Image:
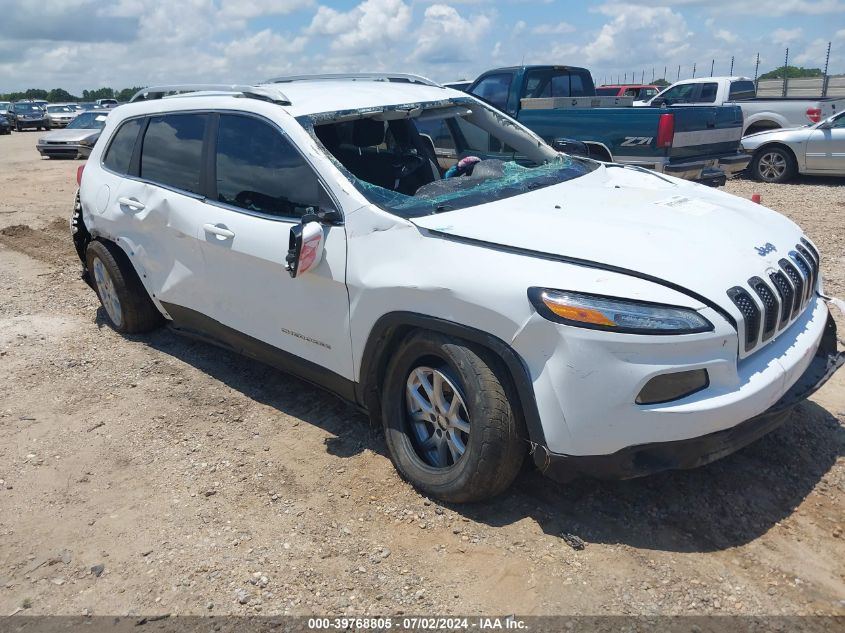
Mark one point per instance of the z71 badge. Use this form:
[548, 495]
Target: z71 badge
[635, 141]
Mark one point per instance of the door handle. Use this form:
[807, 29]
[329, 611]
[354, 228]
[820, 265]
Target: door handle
[215, 229]
[132, 203]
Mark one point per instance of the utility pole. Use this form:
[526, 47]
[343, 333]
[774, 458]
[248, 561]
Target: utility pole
[679, 73]
[693, 71]
[824, 77]
[785, 64]
[712, 64]
[756, 68]
[732, 66]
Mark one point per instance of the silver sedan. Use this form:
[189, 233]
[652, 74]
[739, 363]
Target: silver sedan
[778, 155]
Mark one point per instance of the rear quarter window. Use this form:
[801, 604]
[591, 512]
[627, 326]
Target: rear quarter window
[171, 154]
[742, 90]
[119, 153]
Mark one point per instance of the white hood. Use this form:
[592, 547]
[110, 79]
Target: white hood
[693, 236]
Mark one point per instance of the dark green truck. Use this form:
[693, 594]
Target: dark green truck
[560, 104]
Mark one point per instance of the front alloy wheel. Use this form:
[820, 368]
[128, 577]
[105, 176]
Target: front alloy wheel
[449, 423]
[774, 164]
[439, 422]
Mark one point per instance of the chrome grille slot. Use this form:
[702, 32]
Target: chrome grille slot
[812, 250]
[814, 266]
[797, 283]
[787, 296]
[750, 314]
[806, 272]
[771, 306]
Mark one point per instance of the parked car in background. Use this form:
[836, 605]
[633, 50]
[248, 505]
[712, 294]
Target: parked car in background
[90, 105]
[759, 113]
[5, 126]
[559, 103]
[28, 114]
[60, 115]
[579, 327]
[779, 155]
[637, 91]
[77, 139]
[107, 103]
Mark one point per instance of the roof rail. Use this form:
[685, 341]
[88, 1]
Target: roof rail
[264, 93]
[391, 77]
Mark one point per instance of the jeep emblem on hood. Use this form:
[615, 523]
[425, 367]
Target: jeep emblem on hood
[765, 249]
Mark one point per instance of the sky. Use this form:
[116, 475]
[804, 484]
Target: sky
[77, 44]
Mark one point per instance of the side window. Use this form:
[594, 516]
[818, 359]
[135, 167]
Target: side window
[122, 145]
[495, 89]
[708, 92]
[555, 83]
[679, 94]
[172, 151]
[259, 170]
[742, 90]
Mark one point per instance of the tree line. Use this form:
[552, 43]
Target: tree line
[60, 95]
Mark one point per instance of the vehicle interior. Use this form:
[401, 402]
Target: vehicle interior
[413, 151]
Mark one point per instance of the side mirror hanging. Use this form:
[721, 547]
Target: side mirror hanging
[305, 246]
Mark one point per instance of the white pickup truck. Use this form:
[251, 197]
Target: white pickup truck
[759, 114]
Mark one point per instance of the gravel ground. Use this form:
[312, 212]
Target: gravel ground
[156, 475]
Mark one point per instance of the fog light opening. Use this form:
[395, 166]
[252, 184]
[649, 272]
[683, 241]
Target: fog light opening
[674, 386]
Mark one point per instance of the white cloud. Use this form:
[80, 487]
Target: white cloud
[635, 32]
[373, 24]
[560, 28]
[445, 37]
[246, 9]
[786, 36]
[726, 36]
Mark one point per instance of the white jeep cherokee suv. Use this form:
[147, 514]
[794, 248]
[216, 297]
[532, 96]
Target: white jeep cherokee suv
[430, 259]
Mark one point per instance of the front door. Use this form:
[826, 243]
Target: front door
[826, 148]
[263, 187]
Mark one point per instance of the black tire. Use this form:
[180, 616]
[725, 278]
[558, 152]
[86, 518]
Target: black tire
[18, 127]
[136, 311]
[774, 164]
[494, 448]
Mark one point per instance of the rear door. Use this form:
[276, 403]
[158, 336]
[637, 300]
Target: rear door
[158, 205]
[261, 187]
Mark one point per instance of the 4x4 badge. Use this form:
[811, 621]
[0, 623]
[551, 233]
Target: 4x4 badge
[765, 249]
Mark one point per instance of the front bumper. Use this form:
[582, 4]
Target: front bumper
[31, 123]
[646, 459]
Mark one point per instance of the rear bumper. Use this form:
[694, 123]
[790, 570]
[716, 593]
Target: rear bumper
[646, 459]
[69, 150]
[707, 169]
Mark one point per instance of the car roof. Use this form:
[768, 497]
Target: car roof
[314, 96]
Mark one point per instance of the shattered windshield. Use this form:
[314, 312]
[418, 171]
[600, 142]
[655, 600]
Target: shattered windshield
[419, 159]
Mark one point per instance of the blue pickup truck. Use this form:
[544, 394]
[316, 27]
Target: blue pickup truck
[560, 104]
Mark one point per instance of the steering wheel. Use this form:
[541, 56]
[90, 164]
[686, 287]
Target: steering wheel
[408, 164]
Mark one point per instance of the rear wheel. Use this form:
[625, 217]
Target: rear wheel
[124, 298]
[773, 164]
[449, 422]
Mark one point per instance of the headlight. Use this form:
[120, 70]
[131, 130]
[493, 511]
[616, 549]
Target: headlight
[88, 142]
[616, 315]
